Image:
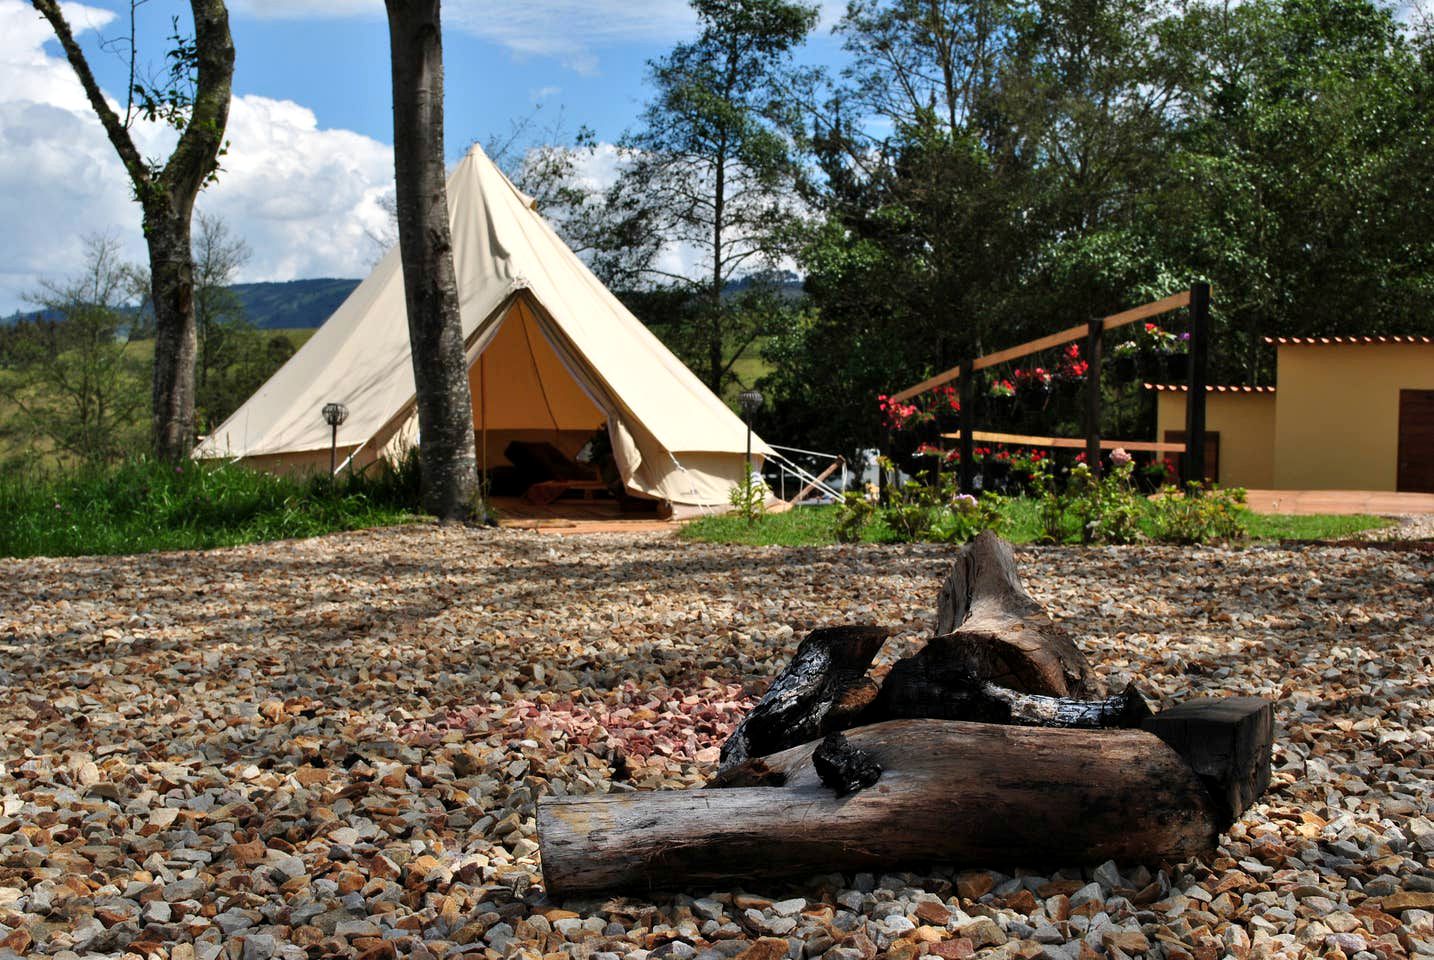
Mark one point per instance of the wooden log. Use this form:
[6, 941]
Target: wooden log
[987, 623]
[823, 689]
[949, 792]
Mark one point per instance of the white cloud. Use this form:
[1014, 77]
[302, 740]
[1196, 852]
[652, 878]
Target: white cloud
[303, 198]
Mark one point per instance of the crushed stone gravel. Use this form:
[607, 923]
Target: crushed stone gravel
[333, 747]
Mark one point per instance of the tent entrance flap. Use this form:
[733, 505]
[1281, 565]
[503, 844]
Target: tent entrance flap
[522, 391]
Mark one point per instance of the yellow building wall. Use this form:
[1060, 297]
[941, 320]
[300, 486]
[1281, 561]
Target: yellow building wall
[1246, 423]
[1337, 412]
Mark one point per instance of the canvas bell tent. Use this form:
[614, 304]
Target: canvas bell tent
[553, 357]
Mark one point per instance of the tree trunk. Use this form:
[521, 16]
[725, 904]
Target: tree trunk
[167, 197]
[171, 277]
[447, 453]
[949, 792]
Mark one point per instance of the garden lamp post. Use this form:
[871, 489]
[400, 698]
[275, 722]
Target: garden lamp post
[750, 402]
[334, 414]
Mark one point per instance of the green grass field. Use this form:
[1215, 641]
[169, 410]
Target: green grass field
[813, 526]
[142, 505]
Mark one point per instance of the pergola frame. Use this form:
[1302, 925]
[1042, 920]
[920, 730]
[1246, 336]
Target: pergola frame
[1197, 298]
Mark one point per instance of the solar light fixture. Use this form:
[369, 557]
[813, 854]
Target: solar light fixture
[334, 414]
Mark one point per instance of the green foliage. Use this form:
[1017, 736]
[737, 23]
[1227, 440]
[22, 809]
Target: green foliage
[815, 526]
[853, 515]
[910, 510]
[1201, 514]
[749, 497]
[712, 165]
[1052, 503]
[141, 505]
[1108, 509]
[1038, 164]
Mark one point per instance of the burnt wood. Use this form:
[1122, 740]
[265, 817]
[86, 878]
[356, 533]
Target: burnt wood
[824, 688]
[1227, 742]
[825, 774]
[843, 767]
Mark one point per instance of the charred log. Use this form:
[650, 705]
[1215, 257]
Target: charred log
[824, 688]
[843, 767]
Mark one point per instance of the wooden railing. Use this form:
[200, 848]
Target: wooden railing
[1197, 298]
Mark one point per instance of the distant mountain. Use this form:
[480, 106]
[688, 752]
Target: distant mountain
[306, 304]
[294, 304]
[291, 305]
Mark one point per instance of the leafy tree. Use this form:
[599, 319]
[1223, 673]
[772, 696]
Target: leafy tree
[231, 351]
[713, 167]
[76, 375]
[194, 100]
[1301, 185]
[447, 452]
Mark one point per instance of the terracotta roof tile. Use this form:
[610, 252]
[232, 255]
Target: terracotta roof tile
[1209, 388]
[1322, 341]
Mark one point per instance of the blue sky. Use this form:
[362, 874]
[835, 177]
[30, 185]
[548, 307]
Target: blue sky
[311, 125]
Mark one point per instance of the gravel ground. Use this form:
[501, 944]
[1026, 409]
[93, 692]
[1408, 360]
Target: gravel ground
[332, 747]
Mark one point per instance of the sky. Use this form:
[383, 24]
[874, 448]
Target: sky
[311, 127]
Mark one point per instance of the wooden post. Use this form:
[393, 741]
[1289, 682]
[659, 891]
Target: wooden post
[1093, 340]
[1193, 460]
[968, 426]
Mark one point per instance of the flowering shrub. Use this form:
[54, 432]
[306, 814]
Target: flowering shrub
[966, 516]
[1108, 508]
[1001, 388]
[1072, 368]
[1125, 348]
[898, 415]
[1037, 378]
[1160, 340]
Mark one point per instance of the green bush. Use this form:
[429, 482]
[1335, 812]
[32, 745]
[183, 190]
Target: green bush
[1201, 514]
[1051, 503]
[968, 516]
[1108, 508]
[910, 511]
[852, 516]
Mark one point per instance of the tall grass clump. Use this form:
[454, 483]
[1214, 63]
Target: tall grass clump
[140, 505]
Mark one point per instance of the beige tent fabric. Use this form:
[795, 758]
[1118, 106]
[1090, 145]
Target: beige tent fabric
[552, 349]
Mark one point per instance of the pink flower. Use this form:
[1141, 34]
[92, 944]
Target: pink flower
[1119, 457]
